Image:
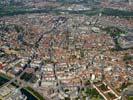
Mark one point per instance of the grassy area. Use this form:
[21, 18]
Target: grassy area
[93, 94]
[112, 96]
[103, 87]
[34, 93]
[130, 98]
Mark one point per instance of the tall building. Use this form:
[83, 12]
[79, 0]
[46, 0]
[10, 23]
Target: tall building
[130, 2]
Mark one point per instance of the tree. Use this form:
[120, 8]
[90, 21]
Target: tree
[18, 28]
[115, 33]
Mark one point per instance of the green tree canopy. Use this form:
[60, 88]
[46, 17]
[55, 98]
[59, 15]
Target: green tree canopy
[115, 33]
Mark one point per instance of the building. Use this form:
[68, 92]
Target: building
[126, 41]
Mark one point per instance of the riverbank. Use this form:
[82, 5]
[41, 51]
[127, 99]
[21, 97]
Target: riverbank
[14, 10]
[28, 91]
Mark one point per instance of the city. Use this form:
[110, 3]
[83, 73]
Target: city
[66, 50]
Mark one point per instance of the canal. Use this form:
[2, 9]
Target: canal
[3, 80]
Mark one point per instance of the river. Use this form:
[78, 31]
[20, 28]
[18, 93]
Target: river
[30, 96]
